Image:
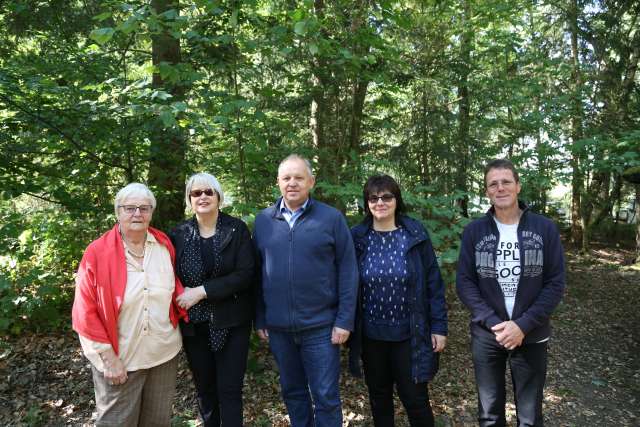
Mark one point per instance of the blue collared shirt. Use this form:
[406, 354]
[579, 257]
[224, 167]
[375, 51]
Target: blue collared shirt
[291, 216]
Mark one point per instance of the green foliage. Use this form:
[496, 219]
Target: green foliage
[437, 213]
[40, 247]
[443, 222]
[427, 91]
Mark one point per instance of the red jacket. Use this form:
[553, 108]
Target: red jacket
[100, 286]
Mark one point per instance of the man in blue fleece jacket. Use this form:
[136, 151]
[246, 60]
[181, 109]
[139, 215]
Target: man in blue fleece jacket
[307, 299]
[511, 277]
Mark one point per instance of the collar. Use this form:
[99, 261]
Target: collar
[151, 238]
[282, 207]
[522, 205]
[412, 226]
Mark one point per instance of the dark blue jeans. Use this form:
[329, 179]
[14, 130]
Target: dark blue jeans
[218, 376]
[528, 364]
[309, 376]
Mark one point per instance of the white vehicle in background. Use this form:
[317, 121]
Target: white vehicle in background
[627, 213]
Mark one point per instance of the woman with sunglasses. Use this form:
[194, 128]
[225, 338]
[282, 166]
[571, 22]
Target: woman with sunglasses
[215, 262]
[402, 314]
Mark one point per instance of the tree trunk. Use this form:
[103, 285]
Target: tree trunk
[359, 95]
[320, 110]
[336, 120]
[637, 222]
[616, 80]
[358, 92]
[239, 137]
[577, 180]
[610, 198]
[463, 111]
[423, 155]
[167, 166]
[542, 166]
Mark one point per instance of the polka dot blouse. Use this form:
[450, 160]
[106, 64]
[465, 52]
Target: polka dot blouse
[385, 293]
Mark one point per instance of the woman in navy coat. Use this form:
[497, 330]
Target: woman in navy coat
[402, 315]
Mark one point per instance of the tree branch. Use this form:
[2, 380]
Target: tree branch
[92, 156]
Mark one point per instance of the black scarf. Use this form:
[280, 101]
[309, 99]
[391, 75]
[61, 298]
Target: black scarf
[193, 272]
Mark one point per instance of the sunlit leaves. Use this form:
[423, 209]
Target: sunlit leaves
[79, 108]
[300, 28]
[102, 35]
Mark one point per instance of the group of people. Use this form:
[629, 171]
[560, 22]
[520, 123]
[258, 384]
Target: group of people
[310, 284]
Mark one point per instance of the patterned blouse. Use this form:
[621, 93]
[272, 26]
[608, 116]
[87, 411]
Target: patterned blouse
[385, 277]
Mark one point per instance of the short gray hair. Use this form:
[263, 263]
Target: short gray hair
[205, 179]
[135, 189]
[295, 156]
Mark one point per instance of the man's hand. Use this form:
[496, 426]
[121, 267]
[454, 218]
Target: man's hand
[508, 334]
[438, 342]
[263, 334]
[115, 372]
[191, 296]
[339, 335]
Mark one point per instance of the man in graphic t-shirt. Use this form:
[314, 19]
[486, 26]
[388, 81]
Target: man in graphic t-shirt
[511, 277]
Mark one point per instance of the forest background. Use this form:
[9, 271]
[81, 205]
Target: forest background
[96, 94]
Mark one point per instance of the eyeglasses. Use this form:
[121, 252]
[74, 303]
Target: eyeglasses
[197, 193]
[131, 209]
[493, 185]
[386, 198]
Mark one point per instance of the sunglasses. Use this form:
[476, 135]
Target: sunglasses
[386, 198]
[197, 193]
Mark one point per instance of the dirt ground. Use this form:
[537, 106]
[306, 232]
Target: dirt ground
[593, 377]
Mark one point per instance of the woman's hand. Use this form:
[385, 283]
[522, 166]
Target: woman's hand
[438, 342]
[191, 296]
[115, 372]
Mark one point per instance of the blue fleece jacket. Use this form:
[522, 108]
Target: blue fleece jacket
[309, 275]
[542, 274]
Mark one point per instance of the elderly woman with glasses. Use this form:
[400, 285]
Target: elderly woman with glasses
[126, 315]
[402, 315]
[215, 262]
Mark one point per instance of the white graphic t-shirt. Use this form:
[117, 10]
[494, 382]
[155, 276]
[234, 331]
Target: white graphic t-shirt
[508, 263]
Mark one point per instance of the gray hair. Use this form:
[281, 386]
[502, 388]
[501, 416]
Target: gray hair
[204, 179]
[135, 189]
[295, 156]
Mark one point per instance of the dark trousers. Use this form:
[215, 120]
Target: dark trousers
[387, 363]
[528, 364]
[219, 375]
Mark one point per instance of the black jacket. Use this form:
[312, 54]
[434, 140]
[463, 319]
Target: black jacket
[231, 291]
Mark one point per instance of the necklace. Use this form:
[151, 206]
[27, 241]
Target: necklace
[144, 246]
[135, 254]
